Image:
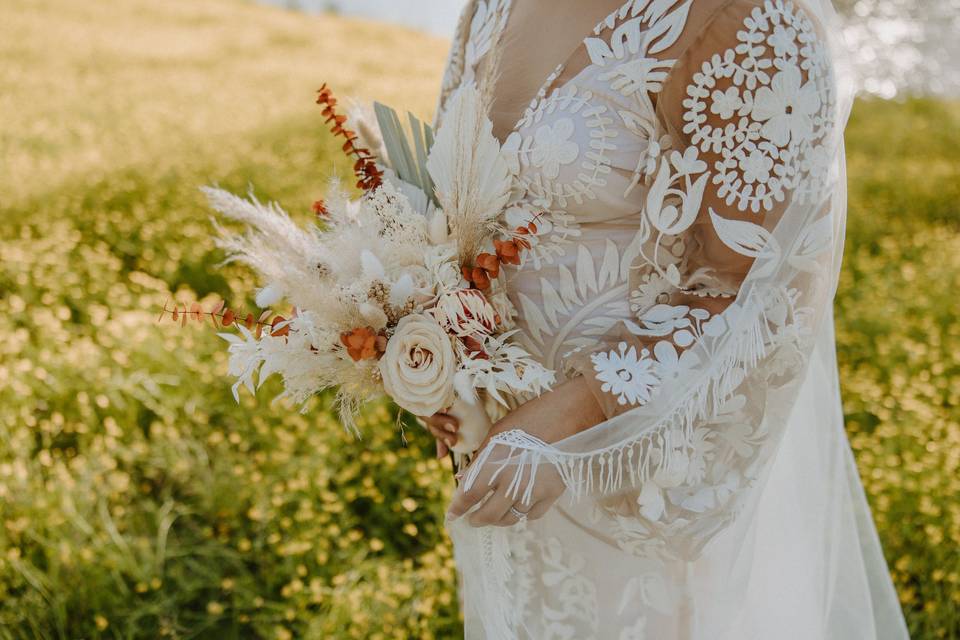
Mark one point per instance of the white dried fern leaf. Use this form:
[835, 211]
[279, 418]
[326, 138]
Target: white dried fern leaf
[472, 179]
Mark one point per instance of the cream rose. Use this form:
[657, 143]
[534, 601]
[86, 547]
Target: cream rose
[418, 366]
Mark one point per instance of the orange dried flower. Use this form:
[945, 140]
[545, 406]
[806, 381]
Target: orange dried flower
[476, 276]
[508, 251]
[363, 343]
[489, 263]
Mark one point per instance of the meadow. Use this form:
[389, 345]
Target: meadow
[138, 500]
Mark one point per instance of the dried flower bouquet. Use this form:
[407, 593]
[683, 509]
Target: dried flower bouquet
[398, 291]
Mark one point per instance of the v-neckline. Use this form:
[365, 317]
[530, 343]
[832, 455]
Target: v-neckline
[550, 81]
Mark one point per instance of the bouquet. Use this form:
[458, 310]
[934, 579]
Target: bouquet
[398, 291]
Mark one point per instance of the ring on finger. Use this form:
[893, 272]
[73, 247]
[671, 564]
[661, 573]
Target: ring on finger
[519, 515]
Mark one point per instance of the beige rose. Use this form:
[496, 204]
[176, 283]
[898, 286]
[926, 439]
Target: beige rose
[418, 366]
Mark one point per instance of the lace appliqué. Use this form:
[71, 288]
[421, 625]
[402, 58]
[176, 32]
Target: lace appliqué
[626, 374]
[634, 375]
[774, 92]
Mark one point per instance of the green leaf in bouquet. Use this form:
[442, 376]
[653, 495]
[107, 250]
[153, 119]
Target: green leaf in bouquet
[407, 148]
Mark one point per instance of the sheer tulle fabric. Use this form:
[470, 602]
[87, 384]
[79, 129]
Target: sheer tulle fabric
[686, 162]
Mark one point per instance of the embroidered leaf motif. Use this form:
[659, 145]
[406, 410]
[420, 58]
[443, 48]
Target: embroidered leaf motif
[671, 25]
[598, 50]
[657, 193]
[814, 240]
[568, 287]
[691, 205]
[657, 9]
[748, 239]
[609, 270]
[552, 304]
[586, 273]
[635, 9]
[536, 323]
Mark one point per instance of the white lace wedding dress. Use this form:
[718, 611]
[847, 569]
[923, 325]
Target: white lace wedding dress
[685, 162]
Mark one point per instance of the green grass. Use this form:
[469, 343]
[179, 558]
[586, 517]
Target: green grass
[138, 501]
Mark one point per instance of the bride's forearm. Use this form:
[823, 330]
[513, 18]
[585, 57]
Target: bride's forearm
[568, 409]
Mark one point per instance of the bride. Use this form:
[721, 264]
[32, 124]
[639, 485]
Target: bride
[689, 477]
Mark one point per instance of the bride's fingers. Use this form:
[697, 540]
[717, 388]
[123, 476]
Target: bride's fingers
[465, 499]
[538, 510]
[441, 450]
[508, 520]
[492, 511]
[447, 438]
[443, 421]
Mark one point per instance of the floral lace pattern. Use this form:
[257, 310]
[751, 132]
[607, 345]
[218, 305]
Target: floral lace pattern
[774, 96]
[626, 374]
[624, 200]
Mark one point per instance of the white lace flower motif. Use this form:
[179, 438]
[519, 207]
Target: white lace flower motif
[653, 289]
[554, 148]
[787, 107]
[756, 167]
[674, 365]
[784, 41]
[726, 103]
[630, 377]
[649, 157]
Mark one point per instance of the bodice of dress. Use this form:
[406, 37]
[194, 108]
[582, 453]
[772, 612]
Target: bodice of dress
[652, 161]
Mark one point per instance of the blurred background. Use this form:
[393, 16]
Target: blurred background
[137, 500]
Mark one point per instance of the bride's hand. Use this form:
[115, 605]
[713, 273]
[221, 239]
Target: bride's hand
[567, 410]
[444, 428]
[503, 507]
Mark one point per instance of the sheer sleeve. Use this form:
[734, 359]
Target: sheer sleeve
[732, 266]
[711, 191]
[712, 188]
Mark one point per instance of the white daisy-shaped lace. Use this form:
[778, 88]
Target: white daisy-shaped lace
[787, 107]
[756, 167]
[554, 148]
[652, 289]
[624, 374]
[784, 41]
[726, 103]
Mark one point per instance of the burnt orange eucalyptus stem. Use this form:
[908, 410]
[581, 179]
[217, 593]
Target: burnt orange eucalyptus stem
[223, 317]
[369, 176]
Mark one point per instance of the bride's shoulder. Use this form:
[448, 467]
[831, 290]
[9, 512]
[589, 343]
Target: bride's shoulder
[715, 25]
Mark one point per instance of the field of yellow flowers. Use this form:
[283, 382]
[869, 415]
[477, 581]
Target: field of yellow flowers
[137, 500]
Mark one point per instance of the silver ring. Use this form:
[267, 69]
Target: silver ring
[520, 515]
